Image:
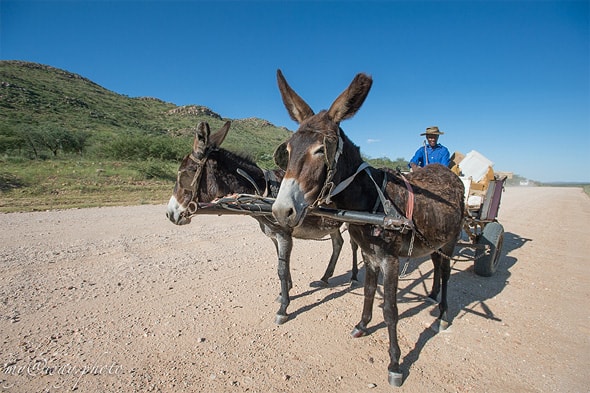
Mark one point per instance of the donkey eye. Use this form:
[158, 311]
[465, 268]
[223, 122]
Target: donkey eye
[320, 151]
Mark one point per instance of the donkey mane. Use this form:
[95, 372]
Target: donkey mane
[228, 180]
[240, 158]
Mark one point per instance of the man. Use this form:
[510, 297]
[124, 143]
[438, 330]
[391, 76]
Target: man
[432, 151]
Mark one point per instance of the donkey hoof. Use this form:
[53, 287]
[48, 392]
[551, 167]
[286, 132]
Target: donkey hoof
[395, 379]
[280, 319]
[319, 284]
[443, 325]
[355, 283]
[358, 332]
[431, 299]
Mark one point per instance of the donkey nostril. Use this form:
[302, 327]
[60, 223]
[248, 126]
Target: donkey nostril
[284, 215]
[170, 216]
[290, 212]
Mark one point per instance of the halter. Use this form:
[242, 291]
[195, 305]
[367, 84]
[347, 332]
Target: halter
[193, 205]
[327, 190]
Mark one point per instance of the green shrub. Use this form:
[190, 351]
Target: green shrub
[143, 147]
[154, 169]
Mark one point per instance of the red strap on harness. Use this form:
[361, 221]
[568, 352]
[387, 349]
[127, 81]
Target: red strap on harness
[410, 203]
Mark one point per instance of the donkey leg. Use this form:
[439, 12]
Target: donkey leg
[436, 261]
[337, 242]
[355, 267]
[371, 279]
[284, 245]
[446, 274]
[390, 268]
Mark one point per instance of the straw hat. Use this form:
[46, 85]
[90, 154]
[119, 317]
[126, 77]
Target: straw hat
[432, 131]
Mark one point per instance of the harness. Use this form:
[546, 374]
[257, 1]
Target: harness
[329, 190]
[193, 205]
[271, 181]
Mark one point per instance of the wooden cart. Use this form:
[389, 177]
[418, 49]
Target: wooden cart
[482, 228]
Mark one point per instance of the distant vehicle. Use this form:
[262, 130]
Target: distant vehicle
[524, 182]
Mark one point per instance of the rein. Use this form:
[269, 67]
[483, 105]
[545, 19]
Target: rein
[329, 190]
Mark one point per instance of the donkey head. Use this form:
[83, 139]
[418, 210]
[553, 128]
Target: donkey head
[311, 155]
[188, 187]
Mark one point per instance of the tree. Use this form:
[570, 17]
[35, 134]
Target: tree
[55, 139]
[384, 162]
[11, 140]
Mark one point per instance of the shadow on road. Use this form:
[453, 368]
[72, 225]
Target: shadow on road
[468, 292]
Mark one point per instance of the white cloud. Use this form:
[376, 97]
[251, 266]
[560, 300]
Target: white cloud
[373, 140]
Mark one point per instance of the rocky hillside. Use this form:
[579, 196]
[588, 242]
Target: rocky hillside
[35, 96]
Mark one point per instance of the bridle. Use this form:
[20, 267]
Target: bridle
[331, 156]
[193, 187]
[331, 164]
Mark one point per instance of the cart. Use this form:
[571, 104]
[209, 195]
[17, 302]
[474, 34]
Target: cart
[482, 228]
[483, 192]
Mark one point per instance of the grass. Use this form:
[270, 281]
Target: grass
[63, 184]
[36, 185]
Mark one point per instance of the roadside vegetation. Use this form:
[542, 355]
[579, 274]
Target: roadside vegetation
[126, 171]
[29, 185]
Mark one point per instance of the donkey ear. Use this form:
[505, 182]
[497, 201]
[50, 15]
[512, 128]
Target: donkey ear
[351, 99]
[297, 108]
[219, 136]
[281, 156]
[202, 136]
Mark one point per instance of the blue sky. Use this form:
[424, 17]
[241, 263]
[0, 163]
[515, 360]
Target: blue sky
[509, 79]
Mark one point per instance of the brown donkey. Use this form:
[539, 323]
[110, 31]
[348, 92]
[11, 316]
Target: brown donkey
[323, 167]
[211, 172]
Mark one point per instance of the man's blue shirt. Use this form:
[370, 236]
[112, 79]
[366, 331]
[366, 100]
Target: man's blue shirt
[438, 154]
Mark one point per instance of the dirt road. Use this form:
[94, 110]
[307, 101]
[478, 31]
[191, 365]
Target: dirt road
[120, 299]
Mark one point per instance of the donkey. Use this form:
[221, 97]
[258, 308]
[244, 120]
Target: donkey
[211, 172]
[323, 167]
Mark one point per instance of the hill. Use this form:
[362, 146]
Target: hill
[36, 98]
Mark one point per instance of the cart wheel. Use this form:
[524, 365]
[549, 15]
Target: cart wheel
[493, 236]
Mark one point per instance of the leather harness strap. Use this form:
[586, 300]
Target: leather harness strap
[410, 203]
[388, 207]
[272, 183]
